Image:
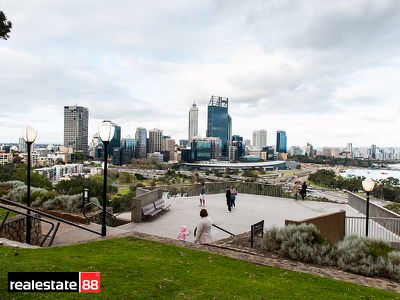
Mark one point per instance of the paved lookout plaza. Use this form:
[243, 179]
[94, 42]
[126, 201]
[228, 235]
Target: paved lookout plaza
[249, 209]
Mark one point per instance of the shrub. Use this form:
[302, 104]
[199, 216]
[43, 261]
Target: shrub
[70, 203]
[303, 242]
[367, 256]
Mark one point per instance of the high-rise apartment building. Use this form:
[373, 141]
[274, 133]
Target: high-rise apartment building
[76, 127]
[218, 124]
[193, 121]
[260, 138]
[155, 140]
[141, 140]
[281, 141]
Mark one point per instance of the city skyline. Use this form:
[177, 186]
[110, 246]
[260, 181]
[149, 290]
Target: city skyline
[320, 78]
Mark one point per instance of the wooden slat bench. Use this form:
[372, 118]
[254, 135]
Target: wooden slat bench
[160, 204]
[150, 210]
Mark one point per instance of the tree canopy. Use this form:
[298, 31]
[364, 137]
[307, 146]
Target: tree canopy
[5, 26]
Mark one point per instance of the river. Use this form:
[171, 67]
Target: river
[375, 174]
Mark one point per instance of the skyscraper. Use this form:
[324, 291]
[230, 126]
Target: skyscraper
[155, 140]
[193, 121]
[260, 138]
[115, 141]
[281, 141]
[141, 139]
[373, 151]
[76, 127]
[218, 121]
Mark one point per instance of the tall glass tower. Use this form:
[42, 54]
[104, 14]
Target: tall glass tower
[281, 141]
[218, 121]
[141, 139]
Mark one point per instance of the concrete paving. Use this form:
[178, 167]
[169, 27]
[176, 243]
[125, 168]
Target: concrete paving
[249, 210]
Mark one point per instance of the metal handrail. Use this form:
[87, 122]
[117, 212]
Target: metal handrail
[4, 220]
[223, 229]
[48, 215]
[98, 206]
[374, 218]
[37, 218]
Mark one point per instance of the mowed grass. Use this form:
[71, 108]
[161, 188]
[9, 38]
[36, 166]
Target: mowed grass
[3, 213]
[138, 269]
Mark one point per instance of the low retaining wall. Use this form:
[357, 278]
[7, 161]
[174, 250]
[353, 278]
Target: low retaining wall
[331, 226]
[139, 201]
[15, 229]
[375, 211]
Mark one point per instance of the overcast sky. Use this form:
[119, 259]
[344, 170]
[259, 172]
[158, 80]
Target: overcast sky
[328, 72]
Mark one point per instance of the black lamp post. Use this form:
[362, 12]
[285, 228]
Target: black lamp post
[368, 186]
[29, 135]
[106, 133]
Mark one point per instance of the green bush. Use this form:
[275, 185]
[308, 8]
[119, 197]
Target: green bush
[354, 254]
[303, 242]
[366, 256]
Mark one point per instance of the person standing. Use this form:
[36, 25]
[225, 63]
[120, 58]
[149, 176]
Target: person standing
[203, 232]
[296, 190]
[303, 191]
[202, 195]
[228, 198]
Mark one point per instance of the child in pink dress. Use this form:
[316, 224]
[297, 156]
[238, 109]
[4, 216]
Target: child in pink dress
[183, 233]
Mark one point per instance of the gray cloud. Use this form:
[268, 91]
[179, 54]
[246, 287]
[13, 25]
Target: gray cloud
[310, 67]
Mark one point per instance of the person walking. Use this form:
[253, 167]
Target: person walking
[202, 195]
[303, 191]
[296, 189]
[233, 196]
[203, 231]
[228, 198]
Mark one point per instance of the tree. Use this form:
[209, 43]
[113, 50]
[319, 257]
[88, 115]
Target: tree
[5, 26]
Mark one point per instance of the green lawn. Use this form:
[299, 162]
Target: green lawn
[3, 213]
[138, 269]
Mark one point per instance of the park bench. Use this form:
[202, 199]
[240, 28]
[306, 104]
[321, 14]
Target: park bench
[150, 210]
[160, 204]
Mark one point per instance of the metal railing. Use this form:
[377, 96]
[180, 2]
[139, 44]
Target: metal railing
[114, 218]
[53, 228]
[43, 214]
[387, 229]
[226, 231]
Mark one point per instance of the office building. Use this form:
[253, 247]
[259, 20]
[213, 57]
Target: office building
[281, 141]
[295, 150]
[193, 121]
[232, 152]
[373, 151]
[76, 127]
[128, 142]
[169, 146]
[141, 142]
[260, 138]
[218, 121]
[309, 150]
[183, 143]
[237, 141]
[155, 140]
[115, 142]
